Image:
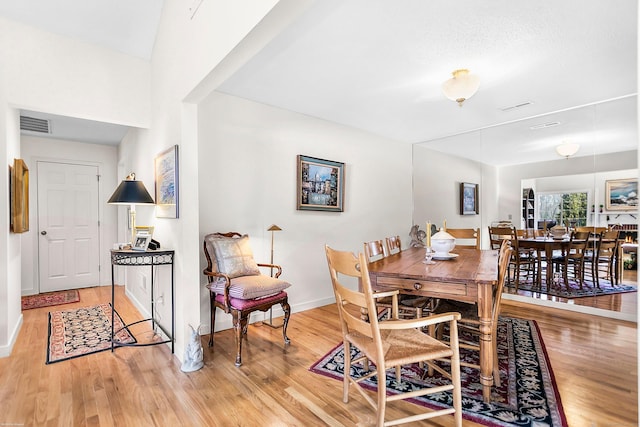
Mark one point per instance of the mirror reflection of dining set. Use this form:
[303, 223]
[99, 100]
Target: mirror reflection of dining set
[556, 257]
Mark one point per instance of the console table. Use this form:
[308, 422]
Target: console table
[127, 257]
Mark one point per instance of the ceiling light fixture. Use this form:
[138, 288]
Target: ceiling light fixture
[461, 86]
[567, 149]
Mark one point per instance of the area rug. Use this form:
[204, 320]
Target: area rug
[559, 289]
[50, 298]
[527, 396]
[81, 331]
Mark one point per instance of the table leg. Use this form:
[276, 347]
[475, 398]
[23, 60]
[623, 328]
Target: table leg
[485, 303]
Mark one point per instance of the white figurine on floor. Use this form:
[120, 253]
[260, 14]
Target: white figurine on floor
[193, 352]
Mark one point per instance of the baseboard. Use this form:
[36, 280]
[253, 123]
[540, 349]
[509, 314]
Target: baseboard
[5, 350]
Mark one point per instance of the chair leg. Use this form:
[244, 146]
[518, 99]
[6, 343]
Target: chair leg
[285, 322]
[382, 395]
[213, 318]
[239, 327]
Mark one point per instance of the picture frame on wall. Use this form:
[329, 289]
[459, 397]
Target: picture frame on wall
[166, 180]
[469, 198]
[621, 195]
[320, 184]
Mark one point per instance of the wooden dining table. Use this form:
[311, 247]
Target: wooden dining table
[469, 277]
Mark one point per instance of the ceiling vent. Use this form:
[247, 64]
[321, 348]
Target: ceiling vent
[544, 125]
[33, 124]
[516, 106]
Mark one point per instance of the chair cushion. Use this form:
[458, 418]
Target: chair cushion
[250, 287]
[233, 256]
[247, 304]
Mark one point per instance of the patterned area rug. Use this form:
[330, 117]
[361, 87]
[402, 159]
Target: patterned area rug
[50, 298]
[81, 331]
[527, 396]
[559, 289]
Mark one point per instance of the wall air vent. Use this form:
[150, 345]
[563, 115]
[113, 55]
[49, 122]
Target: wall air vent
[544, 125]
[516, 106]
[33, 124]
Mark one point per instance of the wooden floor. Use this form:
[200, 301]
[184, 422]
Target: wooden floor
[594, 360]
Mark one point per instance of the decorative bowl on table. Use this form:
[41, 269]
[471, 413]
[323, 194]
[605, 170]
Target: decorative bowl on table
[441, 243]
[558, 232]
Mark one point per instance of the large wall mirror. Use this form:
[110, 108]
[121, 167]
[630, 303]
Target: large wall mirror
[517, 166]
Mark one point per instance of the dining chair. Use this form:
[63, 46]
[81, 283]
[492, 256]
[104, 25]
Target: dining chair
[470, 321]
[604, 257]
[466, 237]
[393, 244]
[524, 260]
[572, 257]
[236, 285]
[409, 305]
[389, 343]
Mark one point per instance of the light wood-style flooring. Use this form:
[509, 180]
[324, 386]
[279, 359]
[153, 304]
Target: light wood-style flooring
[594, 360]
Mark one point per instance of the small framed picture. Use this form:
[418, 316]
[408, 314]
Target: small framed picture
[468, 199]
[320, 185]
[141, 242]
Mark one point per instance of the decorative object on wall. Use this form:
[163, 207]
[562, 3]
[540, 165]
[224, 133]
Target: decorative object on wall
[166, 170]
[320, 184]
[19, 190]
[469, 199]
[621, 194]
[461, 86]
[131, 192]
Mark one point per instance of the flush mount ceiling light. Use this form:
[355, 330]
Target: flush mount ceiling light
[461, 86]
[567, 149]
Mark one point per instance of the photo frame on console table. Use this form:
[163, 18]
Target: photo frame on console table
[469, 198]
[166, 177]
[621, 194]
[320, 185]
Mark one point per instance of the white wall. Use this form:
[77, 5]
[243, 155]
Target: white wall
[36, 149]
[248, 160]
[436, 186]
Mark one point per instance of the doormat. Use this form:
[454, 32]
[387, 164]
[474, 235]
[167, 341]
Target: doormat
[50, 298]
[81, 331]
[527, 396]
[560, 290]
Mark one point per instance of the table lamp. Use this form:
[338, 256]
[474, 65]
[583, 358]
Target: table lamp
[131, 192]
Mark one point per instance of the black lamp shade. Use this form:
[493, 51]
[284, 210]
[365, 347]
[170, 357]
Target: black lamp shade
[130, 192]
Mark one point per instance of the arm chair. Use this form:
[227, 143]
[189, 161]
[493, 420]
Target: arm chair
[470, 321]
[470, 237]
[236, 285]
[524, 260]
[389, 343]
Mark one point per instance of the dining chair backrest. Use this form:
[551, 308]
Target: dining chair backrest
[578, 244]
[374, 250]
[498, 234]
[466, 237]
[394, 245]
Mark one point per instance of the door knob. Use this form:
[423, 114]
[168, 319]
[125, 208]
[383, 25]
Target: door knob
[44, 233]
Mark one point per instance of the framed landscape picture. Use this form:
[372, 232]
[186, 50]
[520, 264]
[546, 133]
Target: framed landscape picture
[320, 185]
[621, 194]
[166, 174]
[468, 199]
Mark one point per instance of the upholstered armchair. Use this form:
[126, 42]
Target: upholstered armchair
[237, 286]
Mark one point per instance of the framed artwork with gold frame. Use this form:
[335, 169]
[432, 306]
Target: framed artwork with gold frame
[19, 183]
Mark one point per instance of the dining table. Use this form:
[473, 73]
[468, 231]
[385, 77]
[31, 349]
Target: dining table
[467, 275]
[544, 248]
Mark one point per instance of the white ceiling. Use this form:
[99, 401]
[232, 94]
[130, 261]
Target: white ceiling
[377, 65]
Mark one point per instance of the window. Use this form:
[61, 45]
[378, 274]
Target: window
[560, 208]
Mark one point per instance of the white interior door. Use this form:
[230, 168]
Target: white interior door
[68, 245]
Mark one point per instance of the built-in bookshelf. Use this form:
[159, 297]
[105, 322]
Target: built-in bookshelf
[528, 208]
